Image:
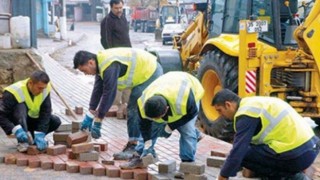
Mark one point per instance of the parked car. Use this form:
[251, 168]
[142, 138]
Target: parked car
[169, 30]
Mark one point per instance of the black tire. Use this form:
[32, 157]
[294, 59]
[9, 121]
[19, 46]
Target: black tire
[163, 42]
[217, 71]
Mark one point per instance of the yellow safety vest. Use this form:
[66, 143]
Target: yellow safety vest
[283, 129]
[141, 65]
[21, 93]
[175, 88]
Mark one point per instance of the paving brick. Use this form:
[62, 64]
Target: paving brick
[79, 110]
[126, 174]
[60, 136]
[103, 145]
[112, 171]
[159, 177]
[72, 166]
[195, 177]
[98, 169]
[167, 166]
[62, 143]
[32, 150]
[21, 159]
[76, 138]
[107, 162]
[45, 162]
[88, 156]
[70, 154]
[112, 111]
[76, 125]
[82, 147]
[33, 162]
[192, 168]
[68, 112]
[215, 161]
[85, 168]
[56, 150]
[148, 159]
[140, 174]
[97, 148]
[58, 164]
[219, 153]
[64, 127]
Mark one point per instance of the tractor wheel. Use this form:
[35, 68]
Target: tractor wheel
[217, 71]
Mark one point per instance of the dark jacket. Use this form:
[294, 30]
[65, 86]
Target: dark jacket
[8, 104]
[114, 31]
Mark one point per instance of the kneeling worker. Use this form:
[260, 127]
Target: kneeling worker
[170, 102]
[26, 106]
[272, 140]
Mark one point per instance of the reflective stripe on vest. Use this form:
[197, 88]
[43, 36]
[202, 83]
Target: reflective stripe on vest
[130, 60]
[21, 93]
[274, 121]
[175, 87]
[282, 128]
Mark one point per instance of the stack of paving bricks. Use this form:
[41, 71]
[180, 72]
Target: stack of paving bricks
[217, 158]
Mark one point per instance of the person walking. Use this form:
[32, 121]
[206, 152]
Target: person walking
[26, 106]
[120, 68]
[114, 31]
[272, 140]
[170, 102]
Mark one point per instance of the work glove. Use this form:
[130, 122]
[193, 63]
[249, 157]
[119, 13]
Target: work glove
[95, 132]
[166, 132]
[41, 143]
[87, 121]
[20, 134]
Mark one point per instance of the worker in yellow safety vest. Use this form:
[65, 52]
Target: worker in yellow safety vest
[26, 107]
[170, 102]
[117, 68]
[271, 139]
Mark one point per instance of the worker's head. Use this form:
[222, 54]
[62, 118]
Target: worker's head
[37, 82]
[117, 7]
[156, 107]
[86, 62]
[226, 103]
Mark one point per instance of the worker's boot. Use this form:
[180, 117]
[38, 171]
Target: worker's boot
[22, 147]
[126, 153]
[134, 163]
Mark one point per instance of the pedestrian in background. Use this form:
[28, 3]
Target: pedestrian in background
[272, 140]
[171, 102]
[26, 106]
[114, 31]
[122, 68]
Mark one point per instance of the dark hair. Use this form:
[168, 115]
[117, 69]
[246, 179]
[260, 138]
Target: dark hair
[82, 57]
[225, 95]
[39, 76]
[155, 106]
[112, 2]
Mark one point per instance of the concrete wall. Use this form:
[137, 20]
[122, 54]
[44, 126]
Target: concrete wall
[15, 65]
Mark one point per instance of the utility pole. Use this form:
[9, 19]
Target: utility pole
[63, 20]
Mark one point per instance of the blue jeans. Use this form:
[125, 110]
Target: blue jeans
[189, 135]
[133, 116]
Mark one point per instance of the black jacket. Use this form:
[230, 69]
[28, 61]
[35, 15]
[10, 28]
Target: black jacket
[114, 31]
[8, 103]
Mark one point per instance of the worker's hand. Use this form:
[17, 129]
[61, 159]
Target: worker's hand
[41, 143]
[166, 132]
[20, 134]
[95, 132]
[87, 121]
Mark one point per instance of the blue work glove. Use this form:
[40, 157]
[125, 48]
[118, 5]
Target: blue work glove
[20, 134]
[95, 131]
[87, 121]
[41, 143]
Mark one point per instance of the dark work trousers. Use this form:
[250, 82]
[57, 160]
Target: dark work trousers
[20, 116]
[266, 163]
